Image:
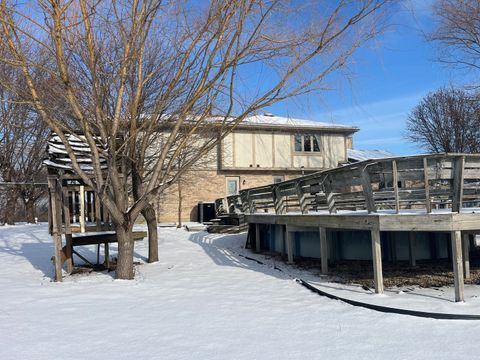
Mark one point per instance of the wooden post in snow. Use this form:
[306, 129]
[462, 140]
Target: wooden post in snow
[377, 261]
[323, 249]
[68, 230]
[282, 239]
[82, 208]
[412, 243]
[56, 230]
[257, 238]
[466, 255]
[289, 241]
[456, 239]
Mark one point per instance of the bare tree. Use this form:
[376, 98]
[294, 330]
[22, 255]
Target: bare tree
[458, 32]
[132, 69]
[23, 139]
[446, 121]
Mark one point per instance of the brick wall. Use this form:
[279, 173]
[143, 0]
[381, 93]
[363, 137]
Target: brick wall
[202, 185]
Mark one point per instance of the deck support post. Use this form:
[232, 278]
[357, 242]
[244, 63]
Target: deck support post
[323, 250]
[466, 255]
[68, 230]
[82, 208]
[412, 243]
[257, 238]
[456, 239]
[282, 239]
[289, 242]
[56, 225]
[377, 261]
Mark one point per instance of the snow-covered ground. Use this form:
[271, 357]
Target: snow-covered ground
[201, 301]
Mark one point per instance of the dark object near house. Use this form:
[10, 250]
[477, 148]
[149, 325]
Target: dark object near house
[206, 211]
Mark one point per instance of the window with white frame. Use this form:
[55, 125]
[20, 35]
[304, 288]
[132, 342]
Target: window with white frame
[307, 143]
[232, 185]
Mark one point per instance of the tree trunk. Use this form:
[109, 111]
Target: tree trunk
[30, 211]
[9, 213]
[151, 219]
[125, 268]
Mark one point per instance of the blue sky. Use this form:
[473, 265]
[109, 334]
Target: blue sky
[390, 77]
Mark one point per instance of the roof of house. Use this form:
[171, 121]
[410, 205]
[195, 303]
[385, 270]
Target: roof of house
[361, 155]
[273, 121]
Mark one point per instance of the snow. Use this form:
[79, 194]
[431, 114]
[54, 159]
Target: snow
[280, 121]
[361, 155]
[202, 300]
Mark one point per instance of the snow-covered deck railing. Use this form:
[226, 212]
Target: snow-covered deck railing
[446, 181]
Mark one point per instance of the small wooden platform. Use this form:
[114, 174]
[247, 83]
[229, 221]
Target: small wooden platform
[102, 237]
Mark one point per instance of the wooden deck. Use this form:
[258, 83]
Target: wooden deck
[434, 193]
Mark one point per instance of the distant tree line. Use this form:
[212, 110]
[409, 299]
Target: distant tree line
[23, 141]
[448, 120]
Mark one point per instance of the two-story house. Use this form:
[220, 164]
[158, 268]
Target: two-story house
[262, 150]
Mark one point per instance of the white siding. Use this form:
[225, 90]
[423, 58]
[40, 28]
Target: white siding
[300, 160]
[263, 150]
[227, 151]
[243, 150]
[283, 150]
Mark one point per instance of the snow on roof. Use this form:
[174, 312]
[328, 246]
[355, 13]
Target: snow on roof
[361, 155]
[57, 152]
[280, 121]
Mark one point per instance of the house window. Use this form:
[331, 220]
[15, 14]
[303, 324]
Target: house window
[307, 143]
[232, 185]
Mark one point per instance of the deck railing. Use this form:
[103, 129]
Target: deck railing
[426, 182]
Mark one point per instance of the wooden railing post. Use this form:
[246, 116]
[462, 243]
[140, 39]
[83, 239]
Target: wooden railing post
[278, 201]
[457, 196]
[367, 191]
[428, 204]
[244, 198]
[332, 209]
[251, 203]
[301, 198]
[395, 185]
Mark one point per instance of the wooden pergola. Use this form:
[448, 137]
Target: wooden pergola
[76, 215]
